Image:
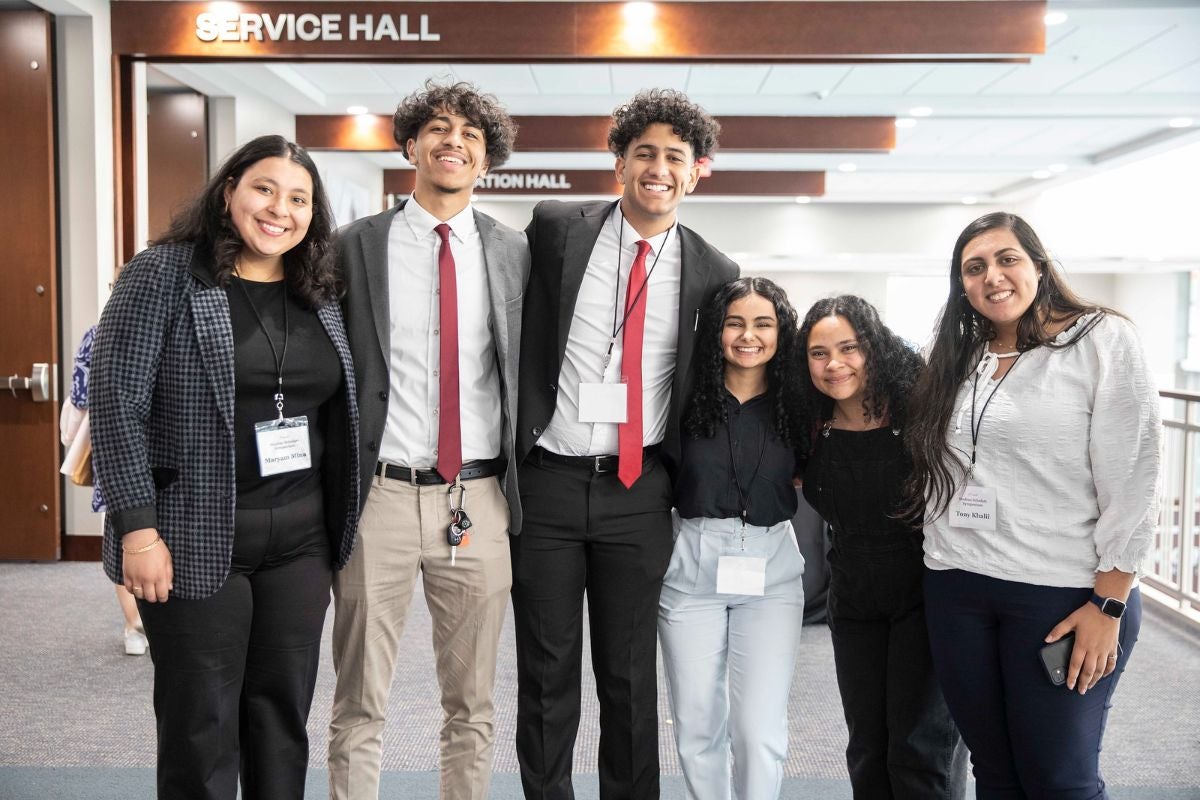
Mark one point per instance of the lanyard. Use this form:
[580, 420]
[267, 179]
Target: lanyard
[743, 497]
[976, 427]
[617, 327]
[278, 358]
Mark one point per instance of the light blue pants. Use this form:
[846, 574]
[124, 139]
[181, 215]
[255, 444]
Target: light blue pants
[729, 658]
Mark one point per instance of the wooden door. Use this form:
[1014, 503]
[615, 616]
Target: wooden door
[29, 446]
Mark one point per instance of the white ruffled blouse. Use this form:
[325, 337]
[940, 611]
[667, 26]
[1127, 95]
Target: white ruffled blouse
[1070, 442]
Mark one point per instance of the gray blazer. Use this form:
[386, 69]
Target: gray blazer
[362, 253]
[162, 404]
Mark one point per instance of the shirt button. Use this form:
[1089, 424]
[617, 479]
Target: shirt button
[371, 446]
[435, 331]
[382, 394]
[537, 431]
[553, 388]
[435, 412]
[435, 373]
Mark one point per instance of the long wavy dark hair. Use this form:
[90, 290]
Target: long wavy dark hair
[706, 409]
[308, 267]
[960, 337]
[891, 365]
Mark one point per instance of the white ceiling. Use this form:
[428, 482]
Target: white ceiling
[1113, 75]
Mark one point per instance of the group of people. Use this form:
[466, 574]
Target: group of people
[599, 408]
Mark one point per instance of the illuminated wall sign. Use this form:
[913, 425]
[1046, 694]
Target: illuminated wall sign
[288, 27]
[530, 181]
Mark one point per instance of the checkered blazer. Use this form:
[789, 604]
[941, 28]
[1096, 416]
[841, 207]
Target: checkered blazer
[162, 404]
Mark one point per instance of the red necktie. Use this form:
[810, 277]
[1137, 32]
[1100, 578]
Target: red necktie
[449, 460]
[629, 433]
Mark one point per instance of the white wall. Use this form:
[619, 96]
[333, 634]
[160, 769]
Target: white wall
[354, 184]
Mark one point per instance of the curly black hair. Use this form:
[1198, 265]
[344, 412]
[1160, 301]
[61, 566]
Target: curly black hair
[689, 121]
[482, 110]
[308, 267]
[892, 366]
[706, 408]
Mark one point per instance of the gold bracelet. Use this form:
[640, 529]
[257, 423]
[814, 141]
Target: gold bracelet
[136, 550]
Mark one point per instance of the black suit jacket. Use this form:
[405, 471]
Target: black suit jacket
[561, 237]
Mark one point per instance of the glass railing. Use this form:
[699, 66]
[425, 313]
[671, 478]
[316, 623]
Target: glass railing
[1173, 565]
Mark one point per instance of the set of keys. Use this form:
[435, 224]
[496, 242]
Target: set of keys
[460, 523]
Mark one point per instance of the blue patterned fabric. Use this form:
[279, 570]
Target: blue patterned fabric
[162, 396]
[79, 373]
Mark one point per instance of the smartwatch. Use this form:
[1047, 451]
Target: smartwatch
[1109, 605]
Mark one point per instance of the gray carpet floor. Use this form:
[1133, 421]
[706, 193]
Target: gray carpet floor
[76, 720]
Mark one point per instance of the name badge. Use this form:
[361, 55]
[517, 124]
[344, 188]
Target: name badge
[282, 445]
[974, 508]
[741, 575]
[603, 402]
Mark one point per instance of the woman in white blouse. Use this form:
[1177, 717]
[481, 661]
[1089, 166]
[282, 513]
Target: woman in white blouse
[1035, 435]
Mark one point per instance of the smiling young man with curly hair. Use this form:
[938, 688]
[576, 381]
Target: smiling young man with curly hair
[609, 331]
[416, 275]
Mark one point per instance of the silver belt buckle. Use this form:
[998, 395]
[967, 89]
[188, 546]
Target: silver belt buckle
[596, 466]
[412, 476]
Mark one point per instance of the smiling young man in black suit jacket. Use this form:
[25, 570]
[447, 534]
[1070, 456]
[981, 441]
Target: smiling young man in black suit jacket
[596, 491]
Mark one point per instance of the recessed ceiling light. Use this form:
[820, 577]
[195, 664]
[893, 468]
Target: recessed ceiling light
[847, 166]
[1056, 168]
[970, 200]
[357, 110]
[920, 111]
[1154, 259]
[906, 122]
[803, 199]
[1181, 122]
[1055, 18]
[1041, 174]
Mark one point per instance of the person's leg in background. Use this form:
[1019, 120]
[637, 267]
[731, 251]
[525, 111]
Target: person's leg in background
[134, 636]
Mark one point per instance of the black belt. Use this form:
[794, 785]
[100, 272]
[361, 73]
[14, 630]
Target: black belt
[430, 477]
[597, 464]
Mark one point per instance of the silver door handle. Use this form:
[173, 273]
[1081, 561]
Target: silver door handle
[42, 383]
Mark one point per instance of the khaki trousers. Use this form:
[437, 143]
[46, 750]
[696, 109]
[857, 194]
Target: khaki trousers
[403, 533]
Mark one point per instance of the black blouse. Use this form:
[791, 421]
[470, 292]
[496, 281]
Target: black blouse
[312, 374]
[855, 480]
[706, 486]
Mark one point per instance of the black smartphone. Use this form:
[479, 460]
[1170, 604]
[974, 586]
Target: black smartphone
[1056, 658]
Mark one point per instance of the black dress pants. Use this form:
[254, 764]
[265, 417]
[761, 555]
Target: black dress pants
[903, 743]
[234, 672]
[585, 532]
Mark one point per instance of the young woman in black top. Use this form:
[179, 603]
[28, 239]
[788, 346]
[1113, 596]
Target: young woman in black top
[732, 600]
[225, 431]
[855, 379]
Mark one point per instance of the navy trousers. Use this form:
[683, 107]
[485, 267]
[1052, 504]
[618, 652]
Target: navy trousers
[234, 672]
[1029, 739]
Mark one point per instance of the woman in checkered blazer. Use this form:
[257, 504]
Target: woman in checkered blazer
[225, 429]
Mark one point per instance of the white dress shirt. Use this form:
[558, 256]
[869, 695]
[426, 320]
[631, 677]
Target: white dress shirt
[1070, 442]
[601, 295]
[411, 433]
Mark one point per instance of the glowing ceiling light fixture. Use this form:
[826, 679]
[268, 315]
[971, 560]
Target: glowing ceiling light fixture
[803, 199]
[920, 111]
[970, 200]
[1181, 122]
[1055, 18]
[847, 166]
[1057, 168]
[639, 13]
[1041, 174]
[639, 31]
[906, 122]
[357, 111]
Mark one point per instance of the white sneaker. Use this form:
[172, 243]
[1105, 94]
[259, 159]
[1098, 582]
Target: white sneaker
[135, 642]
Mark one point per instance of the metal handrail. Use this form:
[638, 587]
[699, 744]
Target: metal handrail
[1173, 564]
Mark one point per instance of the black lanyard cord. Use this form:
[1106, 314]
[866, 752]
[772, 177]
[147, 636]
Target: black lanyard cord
[976, 427]
[743, 497]
[279, 359]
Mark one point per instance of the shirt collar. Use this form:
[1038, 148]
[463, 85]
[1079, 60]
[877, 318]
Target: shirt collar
[422, 223]
[629, 237]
